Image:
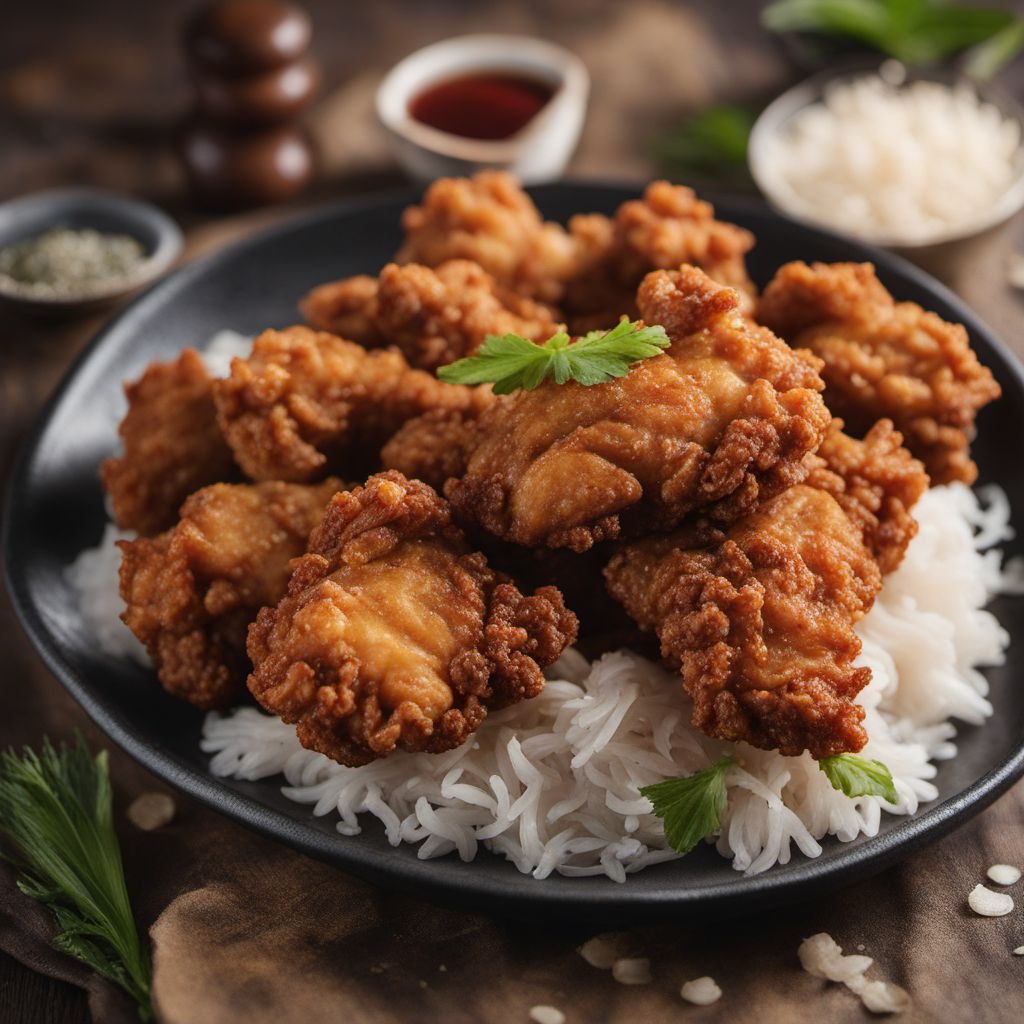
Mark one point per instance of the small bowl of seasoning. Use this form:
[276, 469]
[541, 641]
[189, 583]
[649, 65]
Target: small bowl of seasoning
[68, 252]
[485, 101]
[903, 159]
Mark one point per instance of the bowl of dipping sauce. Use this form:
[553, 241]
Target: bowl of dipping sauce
[902, 159]
[473, 102]
[69, 252]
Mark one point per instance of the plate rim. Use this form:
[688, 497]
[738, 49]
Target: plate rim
[519, 893]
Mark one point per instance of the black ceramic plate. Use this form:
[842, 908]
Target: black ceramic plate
[55, 509]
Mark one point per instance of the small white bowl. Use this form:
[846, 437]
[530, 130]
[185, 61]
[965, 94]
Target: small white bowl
[537, 153]
[776, 117]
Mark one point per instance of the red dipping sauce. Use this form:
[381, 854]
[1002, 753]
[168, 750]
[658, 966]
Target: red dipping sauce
[485, 105]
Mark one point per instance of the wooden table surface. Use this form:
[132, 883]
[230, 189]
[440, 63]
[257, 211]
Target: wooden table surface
[89, 94]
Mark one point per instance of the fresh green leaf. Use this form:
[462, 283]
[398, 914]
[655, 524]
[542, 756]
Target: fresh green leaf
[712, 143]
[913, 31]
[510, 362]
[56, 809]
[690, 807]
[858, 776]
[987, 58]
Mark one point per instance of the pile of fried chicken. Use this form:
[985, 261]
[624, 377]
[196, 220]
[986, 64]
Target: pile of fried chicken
[381, 558]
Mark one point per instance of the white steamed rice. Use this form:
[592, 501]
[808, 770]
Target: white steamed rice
[552, 784]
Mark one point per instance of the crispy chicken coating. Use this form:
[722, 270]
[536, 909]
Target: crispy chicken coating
[172, 446]
[876, 482]
[667, 227]
[433, 316]
[305, 403]
[347, 308]
[192, 591]
[434, 447]
[721, 422]
[393, 635]
[884, 359]
[489, 219]
[760, 621]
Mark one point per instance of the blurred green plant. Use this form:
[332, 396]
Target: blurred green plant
[710, 145]
[912, 31]
[56, 808]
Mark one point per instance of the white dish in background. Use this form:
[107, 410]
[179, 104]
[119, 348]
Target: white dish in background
[537, 153]
[780, 117]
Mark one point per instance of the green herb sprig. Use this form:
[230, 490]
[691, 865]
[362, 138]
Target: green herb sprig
[858, 776]
[913, 31]
[691, 807]
[56, 808]
[511, 362]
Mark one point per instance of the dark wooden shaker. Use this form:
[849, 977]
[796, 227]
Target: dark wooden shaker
[242, 144]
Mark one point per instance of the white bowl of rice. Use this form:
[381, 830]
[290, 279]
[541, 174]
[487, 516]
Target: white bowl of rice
[898, 158]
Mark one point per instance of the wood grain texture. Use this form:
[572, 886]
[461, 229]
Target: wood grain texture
[89, 94]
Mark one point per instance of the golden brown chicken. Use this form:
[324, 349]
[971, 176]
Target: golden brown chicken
[393, 635]
[191, 592]
[306, 403]
[721, 422]
[489, 219]
[667, 227]
[877, 482]
[172, 446]
[884, 359]
[760, 619]
[433, 316]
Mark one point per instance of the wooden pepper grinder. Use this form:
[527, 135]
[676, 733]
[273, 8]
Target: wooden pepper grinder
[241, 146]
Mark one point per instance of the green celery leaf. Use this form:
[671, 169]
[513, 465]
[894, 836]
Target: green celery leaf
[858, 776]
[690, 807]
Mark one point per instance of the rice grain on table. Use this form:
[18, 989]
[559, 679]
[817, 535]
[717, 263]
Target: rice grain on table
[632, 970]
[1003, 874]
[987, 903]
[701, 991]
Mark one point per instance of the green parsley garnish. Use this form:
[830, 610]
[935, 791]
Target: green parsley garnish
[56, 807]
[913, 31]
[690, 807]
[511, 362]
[857, 776]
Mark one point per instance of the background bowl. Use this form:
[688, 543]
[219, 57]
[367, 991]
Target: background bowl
[159, 236]
[537, 153]
[776, 117]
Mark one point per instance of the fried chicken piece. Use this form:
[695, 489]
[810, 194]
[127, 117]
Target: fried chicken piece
[305, 403]
[192, 591]
[722, 421]
[347, 308]
[667, 227]
[884, 359]
[433, 316]
[489, 219]
[760, 621]
[876, 482]
[393, 635]
[434, 447]
[172, 446]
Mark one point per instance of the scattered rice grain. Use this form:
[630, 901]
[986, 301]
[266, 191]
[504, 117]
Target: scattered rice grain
[701, 991]
[632, 970]
[988, 903]
[1003, 874]
[603, 950]
[546, 1015]
[151, 811]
